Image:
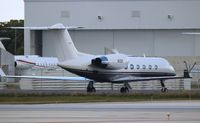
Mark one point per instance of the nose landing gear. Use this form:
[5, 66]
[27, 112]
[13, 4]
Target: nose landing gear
[90, 87]
[163, 89]
[125, 88]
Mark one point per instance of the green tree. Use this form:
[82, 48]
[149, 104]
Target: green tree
[14, 35]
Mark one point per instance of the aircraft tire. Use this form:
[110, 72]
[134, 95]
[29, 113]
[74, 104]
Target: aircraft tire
[91, 89]
[124, 90]
[164, 90]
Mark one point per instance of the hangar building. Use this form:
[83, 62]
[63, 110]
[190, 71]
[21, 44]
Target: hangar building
[135, 27]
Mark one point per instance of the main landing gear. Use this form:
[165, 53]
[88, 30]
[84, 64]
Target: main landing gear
[90, 87]
[163, 89]
[125, 88]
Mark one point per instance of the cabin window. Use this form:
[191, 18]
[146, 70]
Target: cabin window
[138, 66]
[150, 67]
[144, 66]
[126, 67]
[156, 67]
[132, 66]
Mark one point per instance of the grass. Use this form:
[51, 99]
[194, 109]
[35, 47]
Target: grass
[83, 98]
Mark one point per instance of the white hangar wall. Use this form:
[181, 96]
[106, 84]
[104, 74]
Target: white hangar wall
[138, 42]
[134, 27]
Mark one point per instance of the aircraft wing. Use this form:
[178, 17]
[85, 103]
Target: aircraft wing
[2, 74]
[134, 79]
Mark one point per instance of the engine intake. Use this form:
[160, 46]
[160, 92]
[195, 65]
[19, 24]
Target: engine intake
[112, 61]
[101, 62]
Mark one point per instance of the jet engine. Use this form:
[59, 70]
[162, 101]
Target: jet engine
[112, 61]
[22, 65]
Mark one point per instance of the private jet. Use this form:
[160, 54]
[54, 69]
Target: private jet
[24, 62]
[112, 68]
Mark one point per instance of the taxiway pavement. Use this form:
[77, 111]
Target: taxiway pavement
[118, 112]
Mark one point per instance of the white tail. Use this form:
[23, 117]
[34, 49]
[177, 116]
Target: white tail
[61, 42]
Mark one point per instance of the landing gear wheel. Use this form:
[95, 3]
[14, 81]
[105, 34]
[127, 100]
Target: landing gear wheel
[124, 90]
[93, 89]
[90, 87]
[164, 90]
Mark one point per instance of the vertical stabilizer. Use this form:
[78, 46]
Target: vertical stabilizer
[58, 40]
[61, 44]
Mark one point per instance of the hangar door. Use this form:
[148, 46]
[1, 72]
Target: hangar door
[36, 42]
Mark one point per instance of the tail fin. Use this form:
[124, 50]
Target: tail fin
[61, 42]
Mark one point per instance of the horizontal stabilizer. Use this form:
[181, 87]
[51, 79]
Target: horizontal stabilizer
[58, 26]
[137, 79]
[2, 74]
[4, 38]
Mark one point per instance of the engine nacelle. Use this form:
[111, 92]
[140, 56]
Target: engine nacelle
[21, 65]
[112, 61]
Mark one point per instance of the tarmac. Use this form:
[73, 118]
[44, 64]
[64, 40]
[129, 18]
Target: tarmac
[117, 112]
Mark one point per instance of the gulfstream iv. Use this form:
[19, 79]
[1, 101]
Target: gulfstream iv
[113, 68]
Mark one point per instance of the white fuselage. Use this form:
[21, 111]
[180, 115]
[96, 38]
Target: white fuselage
[29, 61]
[135, 66]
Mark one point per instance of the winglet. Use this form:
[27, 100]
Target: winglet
[2, 74]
